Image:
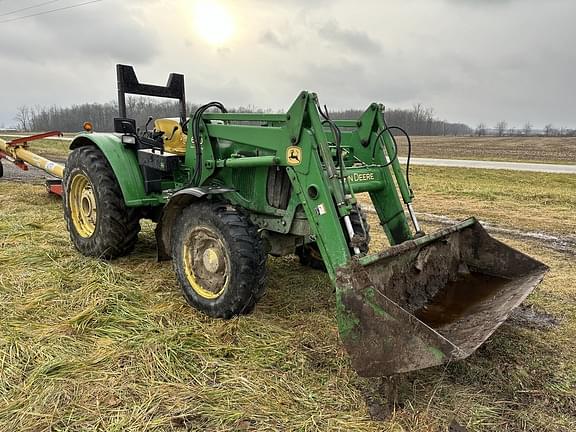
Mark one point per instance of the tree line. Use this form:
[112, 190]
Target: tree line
[418, 120]
[501, 129]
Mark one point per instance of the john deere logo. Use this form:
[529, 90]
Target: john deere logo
[294, 155]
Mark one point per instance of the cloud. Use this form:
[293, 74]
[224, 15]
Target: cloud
[471, 60]
[86, 34]
[271, 38]
[353, 40]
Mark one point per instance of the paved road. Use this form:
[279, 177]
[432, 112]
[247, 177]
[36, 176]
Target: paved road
[461, 163]
[514, 166]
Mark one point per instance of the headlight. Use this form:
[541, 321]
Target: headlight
[128, 139]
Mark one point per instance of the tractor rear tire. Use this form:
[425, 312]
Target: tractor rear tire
[97, 218]
[219, 259]
[309, 254]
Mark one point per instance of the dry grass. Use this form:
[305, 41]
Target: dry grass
[92, 345]
[529, 201]
[538, 149]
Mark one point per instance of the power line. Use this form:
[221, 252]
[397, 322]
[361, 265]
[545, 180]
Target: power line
[29, 7]
[50, 11]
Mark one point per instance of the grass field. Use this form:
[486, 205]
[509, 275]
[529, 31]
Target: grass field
[92, 345]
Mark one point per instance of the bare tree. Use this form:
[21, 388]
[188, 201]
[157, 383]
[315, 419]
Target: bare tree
[527, 128]
[419, 120]
[481, 129]
[23, 117]
[549, 130]
[501, 127]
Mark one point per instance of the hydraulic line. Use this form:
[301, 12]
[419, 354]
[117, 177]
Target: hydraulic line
[196, 119]
[338, 143]
[411, 211]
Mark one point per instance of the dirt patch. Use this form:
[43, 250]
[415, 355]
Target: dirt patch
[526, 315]
[456, 427]
[385, 395]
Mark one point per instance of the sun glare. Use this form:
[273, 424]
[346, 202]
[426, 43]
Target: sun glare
[213, 21]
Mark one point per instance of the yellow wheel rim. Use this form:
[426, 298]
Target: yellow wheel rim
[82, 202]
[206, 262]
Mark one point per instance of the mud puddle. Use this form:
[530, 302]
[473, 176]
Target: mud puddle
[459, 298]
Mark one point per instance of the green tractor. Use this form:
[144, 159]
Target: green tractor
[229, 189]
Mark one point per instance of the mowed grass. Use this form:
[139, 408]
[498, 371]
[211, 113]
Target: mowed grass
[93, 345]
[524, 200]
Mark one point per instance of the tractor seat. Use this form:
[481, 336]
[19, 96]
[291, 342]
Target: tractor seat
[172, 143]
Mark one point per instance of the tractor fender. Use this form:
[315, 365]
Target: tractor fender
[178, 202]
[123, 162]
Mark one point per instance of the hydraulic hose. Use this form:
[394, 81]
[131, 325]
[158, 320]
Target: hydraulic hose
[398, 128]
[195, 123]
[337, 140]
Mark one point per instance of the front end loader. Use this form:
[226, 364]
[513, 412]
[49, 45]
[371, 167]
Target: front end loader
[228, 189]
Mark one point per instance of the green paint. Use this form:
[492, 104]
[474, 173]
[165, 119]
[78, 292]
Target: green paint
[370, 298]
[347, 322]
[124, 163]
[239, 155]
[440, 356]
[240, 150]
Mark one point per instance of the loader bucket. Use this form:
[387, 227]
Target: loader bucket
[431, 300]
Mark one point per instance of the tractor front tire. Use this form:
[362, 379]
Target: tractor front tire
[219, 259]
[97, 218]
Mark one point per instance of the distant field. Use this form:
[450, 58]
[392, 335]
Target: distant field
[532, 149]
[561, 150]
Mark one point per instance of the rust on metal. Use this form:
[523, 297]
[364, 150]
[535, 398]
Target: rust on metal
[23, 140]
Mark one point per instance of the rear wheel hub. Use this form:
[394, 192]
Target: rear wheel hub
[82, 202]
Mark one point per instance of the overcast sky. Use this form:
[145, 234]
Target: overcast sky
[472, 60]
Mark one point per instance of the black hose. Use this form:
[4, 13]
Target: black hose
[337, 140]
[398, 128]
[196, 119]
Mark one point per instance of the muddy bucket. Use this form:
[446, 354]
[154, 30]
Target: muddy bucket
[431, 300]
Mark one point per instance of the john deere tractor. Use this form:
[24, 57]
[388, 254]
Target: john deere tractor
[229, 189]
